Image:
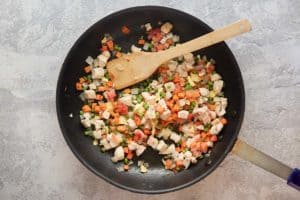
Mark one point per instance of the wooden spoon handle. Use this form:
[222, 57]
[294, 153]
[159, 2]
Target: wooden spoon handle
[219, 35]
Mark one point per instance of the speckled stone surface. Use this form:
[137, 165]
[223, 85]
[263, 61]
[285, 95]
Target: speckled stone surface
[36, 163]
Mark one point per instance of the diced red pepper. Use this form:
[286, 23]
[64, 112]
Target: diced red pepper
[110, 94]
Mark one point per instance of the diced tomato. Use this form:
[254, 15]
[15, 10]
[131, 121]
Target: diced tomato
[121, 108]
[190, 116]
[155, 35]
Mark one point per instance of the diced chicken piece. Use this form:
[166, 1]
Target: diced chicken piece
[189, 58]
[154, 84]
[169, 150]
[106, 54]
[213, 114]
[86, 123]
[181, 70]
[162, 146]
[162, 103]
[170, 86]
[127, 100]
[97, 134]
[98, 124]
[189, 141]
[118, 155]
[106, 145]
[172, 64]
[175, 38]
[163, 40]
[200, 127]
[122, 120]
[139, 109]
[202, 99]
[165, 115]
[168, 95]
[203, 109]
[140, 149]
[143, 169]
[181, 102]
[210, 144]
[135, 49]
[102, 60]
[148, 27]
[132, 145]
[89, 94]
[195, 77]
[148, 98]
[92, 86]
[131, 124]
[202, 72]
[204, 91]
[215, 77]
[106, 114]
[215, 129]
[152, 142]
[183, 114]
[87, 115]
[166, 27]
[186, 163]
[165, 133]
[175, 137]
[205, 117]
[89, 60]
[114, 139]
[97, 73]
[188, 130]
[150, 113]
[190, 81]
[218, 85]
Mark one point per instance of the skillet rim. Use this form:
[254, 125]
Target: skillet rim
[103, 176]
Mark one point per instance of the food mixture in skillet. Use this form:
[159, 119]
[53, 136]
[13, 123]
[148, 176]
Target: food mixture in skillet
[178, 112]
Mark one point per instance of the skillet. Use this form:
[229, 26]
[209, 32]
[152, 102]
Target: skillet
[157, 180]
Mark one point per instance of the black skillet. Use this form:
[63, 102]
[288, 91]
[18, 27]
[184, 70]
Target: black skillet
[157, 180]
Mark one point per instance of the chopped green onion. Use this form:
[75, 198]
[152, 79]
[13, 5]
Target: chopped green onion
[126, 161]
[162, 94]
[81, 112]
[207, 127]
[210, 99]
[210, 85]
[146, 106]
[117, 47]
[88, 133]
[188, 86]
[139, 98]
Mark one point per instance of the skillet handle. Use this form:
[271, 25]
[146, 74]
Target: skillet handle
[258, 158]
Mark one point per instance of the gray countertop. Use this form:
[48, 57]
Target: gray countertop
[36, 163]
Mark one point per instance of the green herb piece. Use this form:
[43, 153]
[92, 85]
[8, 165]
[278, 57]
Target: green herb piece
[188, 86]
[207, 127]
[117, 47]
[162, 94]
[210, 85]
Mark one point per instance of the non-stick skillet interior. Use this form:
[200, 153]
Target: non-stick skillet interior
[157, 180]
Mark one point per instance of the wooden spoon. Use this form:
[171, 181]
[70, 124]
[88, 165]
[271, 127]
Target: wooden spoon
[135, 67]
